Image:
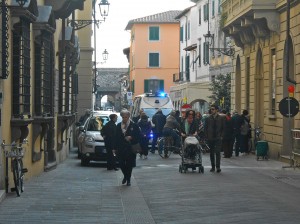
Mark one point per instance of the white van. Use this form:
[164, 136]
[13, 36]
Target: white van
[150, 103]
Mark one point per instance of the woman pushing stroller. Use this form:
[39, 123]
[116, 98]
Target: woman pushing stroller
[189, 126]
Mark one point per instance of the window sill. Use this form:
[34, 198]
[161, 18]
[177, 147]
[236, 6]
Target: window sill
[272, 117]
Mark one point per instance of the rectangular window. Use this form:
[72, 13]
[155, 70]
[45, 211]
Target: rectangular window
[205, 53]
[153, 33]
[213, 8]
[21, 69]
[153, 59]
[199, 16]
[199, 50]
[189, 30]
[273, 82]
[181, 33]
[219, 7]
[247, 84]
[153, 85]
[181, 73]
[205, 12]
[43, 81]
[187, 68]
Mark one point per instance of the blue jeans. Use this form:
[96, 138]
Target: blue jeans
[175, 136]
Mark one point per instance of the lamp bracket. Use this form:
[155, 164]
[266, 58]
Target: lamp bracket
[79, 24]
[226, 51]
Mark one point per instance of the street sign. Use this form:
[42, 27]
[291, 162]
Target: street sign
[289, 107]
[129, 95]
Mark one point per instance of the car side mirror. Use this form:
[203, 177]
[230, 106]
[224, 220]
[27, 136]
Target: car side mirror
[81, 128]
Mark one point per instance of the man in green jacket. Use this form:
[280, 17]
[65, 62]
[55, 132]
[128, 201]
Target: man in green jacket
[214, 132]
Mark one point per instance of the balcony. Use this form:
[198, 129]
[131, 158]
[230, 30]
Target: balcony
[247, 20]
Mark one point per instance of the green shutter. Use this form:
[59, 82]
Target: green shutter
[205, 53]
[153, 59]
[181, 33]
[132, 86]
[162, 85]
[153, 33]
[146, 86]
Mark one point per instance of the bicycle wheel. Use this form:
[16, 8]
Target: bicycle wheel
[17, 166]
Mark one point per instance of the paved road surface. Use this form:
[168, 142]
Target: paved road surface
[246, 191]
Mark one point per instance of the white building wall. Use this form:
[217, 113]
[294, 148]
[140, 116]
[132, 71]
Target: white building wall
[202, 69]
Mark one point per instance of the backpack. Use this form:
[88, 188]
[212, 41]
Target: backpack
[245, 127]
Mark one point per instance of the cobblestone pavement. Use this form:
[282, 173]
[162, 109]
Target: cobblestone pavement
[246, 191]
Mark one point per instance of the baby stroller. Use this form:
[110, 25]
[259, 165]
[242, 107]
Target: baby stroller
[191, 156]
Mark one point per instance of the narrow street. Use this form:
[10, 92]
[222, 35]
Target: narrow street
[246, 191]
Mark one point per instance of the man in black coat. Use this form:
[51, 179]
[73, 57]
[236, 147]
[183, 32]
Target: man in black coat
[108, 132]
[159, 121]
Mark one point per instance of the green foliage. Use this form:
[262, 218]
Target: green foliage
[220, 88]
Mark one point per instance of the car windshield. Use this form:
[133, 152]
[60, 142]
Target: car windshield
[97, 122]
[151, 111]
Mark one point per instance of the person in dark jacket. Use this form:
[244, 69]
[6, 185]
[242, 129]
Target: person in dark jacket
[137, 118]
[127, 134]
[214, 132]
[170, 127]
[189, 125]
[245, 128]
[237, 121]
[108, 132]
[227, 142]
[145, 126]
[158, 120]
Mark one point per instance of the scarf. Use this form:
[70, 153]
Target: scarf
[124, 126]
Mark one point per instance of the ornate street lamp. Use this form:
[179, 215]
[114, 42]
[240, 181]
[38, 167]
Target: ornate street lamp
[209, 38]
[105, 55]
[104, 8]
[22, 2]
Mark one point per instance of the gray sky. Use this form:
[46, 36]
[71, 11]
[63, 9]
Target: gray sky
[111, 34]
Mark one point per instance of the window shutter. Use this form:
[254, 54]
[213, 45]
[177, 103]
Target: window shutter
[162, 85]
[181, 33]
[146, 86]
[154, 33]
[187, 68]
[206, 53]
[132, 86]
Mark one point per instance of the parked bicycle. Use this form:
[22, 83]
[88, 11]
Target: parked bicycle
[258, 135]
[15, 153]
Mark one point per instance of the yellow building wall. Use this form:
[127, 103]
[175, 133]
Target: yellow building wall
[273, 130]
